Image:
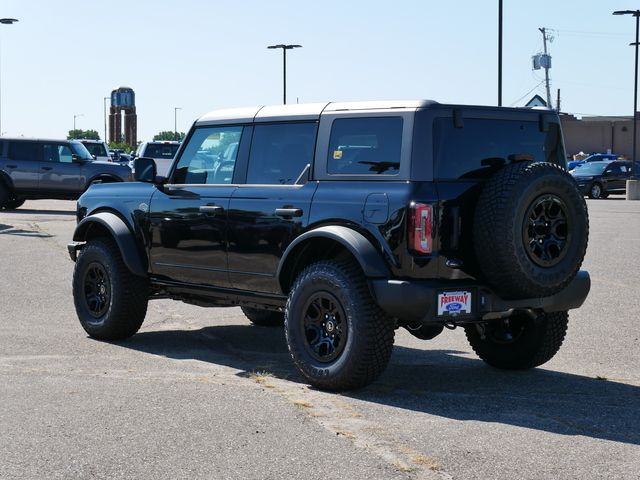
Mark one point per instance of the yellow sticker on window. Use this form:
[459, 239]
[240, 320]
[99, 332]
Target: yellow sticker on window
[337, 154]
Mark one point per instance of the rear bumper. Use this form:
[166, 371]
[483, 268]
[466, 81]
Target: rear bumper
[416, 301]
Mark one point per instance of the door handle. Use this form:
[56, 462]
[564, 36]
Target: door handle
[12, 166]
[289, 212]
[211, 209]
[47, 168]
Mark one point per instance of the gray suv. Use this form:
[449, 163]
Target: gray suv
[63, 169]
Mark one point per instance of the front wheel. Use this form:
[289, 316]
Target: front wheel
[596, 191]
[111, 302]
[337, 335]
[519, 342]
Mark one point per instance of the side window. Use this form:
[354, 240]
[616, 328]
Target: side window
[614, 169]
[24, 151]
[209, 157]
[57, 153]
[365, 146]
[280, 152]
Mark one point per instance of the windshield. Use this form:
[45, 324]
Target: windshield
[593, 168]
[80, 150]
[167, 151]
[96, 149]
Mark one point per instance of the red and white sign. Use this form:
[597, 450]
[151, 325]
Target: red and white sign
[454, 303]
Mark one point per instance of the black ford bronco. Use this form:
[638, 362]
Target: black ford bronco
[345, 221]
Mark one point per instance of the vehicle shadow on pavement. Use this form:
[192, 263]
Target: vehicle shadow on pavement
[31, 211]
[11, 230]
[445, 383]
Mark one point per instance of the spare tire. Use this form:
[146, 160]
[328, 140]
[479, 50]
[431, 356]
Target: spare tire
[531, 229]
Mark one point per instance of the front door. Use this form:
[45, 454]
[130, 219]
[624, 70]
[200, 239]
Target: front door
[59, 174]
[272, 207]
[188, 217]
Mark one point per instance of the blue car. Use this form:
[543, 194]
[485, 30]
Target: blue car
[596, 157]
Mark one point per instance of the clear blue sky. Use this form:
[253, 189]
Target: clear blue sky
[63, 57]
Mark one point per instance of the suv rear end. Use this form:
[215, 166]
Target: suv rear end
[162, 151]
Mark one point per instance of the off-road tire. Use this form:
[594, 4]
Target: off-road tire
[263, 318]
[535, 342]
[126, 305]
[503, 223]
[368, 342]
[14, 202]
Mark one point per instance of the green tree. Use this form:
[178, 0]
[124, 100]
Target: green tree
[88, 134]
[167, 135]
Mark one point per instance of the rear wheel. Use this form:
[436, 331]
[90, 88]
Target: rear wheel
[5, 195]
[263, 318]
[14, 203]
[519, 342]
[111, 302]
[337, 335]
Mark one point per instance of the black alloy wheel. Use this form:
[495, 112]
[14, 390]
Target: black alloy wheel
[325, 327]
[97, 289]
[545, 230]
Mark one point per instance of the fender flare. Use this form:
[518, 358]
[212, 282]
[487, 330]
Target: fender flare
[120, 233]
[369, 259]
[6, 179]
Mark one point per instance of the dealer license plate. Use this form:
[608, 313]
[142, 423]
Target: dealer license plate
[451, 304]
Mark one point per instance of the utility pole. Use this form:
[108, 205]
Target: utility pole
[499, 53]
[558, 101]
[547, 64]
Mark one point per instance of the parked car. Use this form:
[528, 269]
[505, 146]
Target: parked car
[343, 222]
[98, 149]
[35, 169]
[163, 152]
[596, 157]
[599, 179]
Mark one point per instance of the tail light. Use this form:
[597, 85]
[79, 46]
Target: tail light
[420, 227]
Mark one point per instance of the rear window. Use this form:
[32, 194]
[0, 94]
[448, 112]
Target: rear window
[482, 146]
[365, 146]
[167, 151]
[96, 149]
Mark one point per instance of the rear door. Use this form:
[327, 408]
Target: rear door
[22, 164]
[188, 217]
[269, 210]
[615, 177]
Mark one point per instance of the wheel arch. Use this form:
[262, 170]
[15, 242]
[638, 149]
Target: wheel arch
[6, 180]
[102, 176]
[329, 242]
[109, 224]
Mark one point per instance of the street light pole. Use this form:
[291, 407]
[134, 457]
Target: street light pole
[175, 122]
[74, 121]
[104, 102]
[633, 192]
[284, 66]
[4, 21]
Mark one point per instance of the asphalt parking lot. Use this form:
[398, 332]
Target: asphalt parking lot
[201, 393]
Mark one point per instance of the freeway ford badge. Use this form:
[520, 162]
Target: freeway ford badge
[454, 303]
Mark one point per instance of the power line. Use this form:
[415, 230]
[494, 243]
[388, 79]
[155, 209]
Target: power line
[523, 96]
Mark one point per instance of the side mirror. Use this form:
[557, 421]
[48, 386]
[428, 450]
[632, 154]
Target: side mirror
[76, 158]
[145, 169]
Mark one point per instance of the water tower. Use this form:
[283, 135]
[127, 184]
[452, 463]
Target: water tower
[123, 104]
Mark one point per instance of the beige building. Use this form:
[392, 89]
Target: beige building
[598, 134]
